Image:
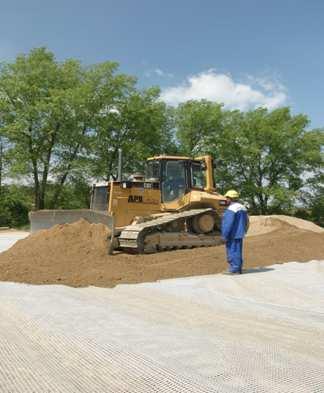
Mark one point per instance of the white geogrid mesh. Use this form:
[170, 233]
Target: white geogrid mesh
[259, 332]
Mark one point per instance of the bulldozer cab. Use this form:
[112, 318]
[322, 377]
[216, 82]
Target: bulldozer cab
[170, 183]
[179, 175]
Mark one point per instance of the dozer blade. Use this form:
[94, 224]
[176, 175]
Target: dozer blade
[44, 219]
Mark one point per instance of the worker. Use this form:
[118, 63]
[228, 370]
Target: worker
[234, 227]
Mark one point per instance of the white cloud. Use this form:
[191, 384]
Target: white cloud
[160, 73]
[214, 86]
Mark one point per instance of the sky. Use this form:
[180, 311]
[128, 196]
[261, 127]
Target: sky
[244, 53]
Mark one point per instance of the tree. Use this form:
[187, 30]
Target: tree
[48, 110]
[195, 122]
[268, 155]
[32, 103]
[138, 123]
[14, 206]
[100, 90]
[312, 194]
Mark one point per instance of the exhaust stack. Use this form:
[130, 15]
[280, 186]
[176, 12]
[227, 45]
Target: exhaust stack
[120, 164]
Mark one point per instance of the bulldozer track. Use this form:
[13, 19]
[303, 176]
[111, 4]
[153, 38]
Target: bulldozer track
[134, 236]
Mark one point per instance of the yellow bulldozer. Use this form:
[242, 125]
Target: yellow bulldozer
[173, 205]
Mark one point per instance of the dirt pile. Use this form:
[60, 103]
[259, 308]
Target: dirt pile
[260, 225]
[76, 255]
[60, 252]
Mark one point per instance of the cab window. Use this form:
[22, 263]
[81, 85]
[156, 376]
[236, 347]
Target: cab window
[174, 181]
[198, 175]
[152, 171]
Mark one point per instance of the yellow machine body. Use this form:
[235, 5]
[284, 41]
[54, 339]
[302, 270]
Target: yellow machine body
[129, 200]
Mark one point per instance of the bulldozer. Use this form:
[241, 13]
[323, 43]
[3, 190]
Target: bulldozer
[173, 205]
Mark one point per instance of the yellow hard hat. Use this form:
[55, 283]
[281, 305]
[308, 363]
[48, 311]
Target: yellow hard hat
[232, 194]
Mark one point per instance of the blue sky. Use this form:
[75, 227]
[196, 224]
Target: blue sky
[245, 53]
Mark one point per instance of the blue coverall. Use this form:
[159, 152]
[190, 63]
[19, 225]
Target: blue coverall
[234, 227]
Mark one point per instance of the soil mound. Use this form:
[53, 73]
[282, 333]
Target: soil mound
[76, 255]
[260, 225]
[49, 255]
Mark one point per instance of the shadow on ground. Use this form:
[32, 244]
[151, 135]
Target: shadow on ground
[258, 270]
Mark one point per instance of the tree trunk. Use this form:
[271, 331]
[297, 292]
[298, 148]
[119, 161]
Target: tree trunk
[253, 206]
[47, 161]
[35, 172]
[36, 186]
[262, 204]
[43, 186]
[35, 167]
[59, 188]
[110, 163]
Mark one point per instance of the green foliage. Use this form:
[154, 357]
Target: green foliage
[312, 196]
[48, 110]
[62, 119]
[197, 121]
[317, 210]
[14, 207]
[75, 194]
[268, 155]
[139, 124]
